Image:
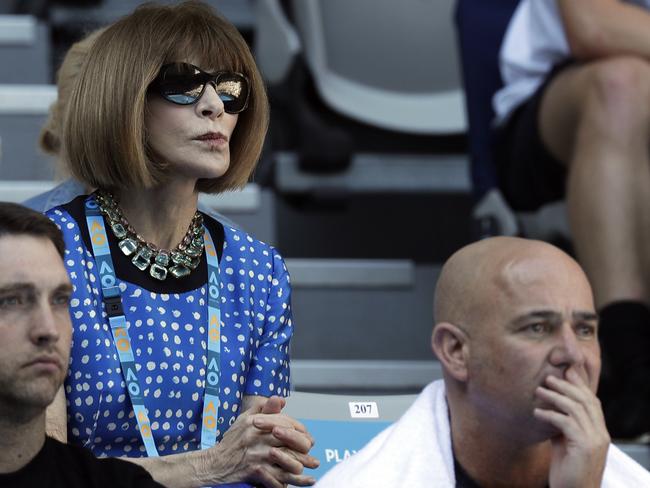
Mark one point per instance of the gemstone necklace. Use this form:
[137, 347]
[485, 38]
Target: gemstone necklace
[178, 262]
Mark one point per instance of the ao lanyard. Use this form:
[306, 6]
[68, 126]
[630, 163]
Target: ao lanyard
[117, 320]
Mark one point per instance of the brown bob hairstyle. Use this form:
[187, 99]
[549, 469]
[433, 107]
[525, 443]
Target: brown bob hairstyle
[104, 136]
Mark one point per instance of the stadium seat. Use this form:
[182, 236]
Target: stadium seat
[343, 424]
[365, 87]
[375, 63]
[481, 25]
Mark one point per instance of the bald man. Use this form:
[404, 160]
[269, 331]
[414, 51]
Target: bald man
[516, 336]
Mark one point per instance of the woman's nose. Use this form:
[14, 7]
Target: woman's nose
[210, 104]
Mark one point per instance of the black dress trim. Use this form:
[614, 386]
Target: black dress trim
[125, 270]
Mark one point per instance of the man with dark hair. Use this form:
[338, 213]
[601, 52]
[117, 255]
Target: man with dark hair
[516, 336]
[35, 335]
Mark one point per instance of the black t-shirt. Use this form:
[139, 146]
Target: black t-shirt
[463, 480]
[66, 466]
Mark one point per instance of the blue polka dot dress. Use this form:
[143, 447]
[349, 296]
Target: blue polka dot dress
[167, 324]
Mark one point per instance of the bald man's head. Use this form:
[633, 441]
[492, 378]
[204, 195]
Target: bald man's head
[510, 313]
[476, 279]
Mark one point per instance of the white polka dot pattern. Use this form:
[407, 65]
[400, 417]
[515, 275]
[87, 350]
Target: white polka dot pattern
[168, 334]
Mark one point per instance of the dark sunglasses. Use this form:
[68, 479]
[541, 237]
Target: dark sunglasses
[184, 84]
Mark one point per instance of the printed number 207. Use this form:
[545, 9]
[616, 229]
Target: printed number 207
[363, 408]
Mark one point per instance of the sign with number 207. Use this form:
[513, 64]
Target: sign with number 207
[363, 410]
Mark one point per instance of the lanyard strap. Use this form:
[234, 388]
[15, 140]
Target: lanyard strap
[211, 399]
[112, 298]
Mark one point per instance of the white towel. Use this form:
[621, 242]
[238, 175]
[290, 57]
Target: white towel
[416, 452]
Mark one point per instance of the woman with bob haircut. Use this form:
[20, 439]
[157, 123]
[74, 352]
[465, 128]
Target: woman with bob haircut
[49, 140]
[181, 324]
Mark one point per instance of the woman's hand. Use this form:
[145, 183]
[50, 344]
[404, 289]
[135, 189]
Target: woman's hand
[263, 446]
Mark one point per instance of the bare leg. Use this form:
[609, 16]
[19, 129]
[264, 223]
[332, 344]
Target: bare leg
[596, 118]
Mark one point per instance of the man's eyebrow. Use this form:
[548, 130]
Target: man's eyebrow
[552, 316]
[30, 287]
[15, 287]
[64, 288]
[539, 314]
[586, 316]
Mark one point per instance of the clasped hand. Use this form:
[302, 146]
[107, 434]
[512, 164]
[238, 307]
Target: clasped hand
[265, 447]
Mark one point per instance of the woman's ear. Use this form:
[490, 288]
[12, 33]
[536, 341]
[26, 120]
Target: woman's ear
[450, 345]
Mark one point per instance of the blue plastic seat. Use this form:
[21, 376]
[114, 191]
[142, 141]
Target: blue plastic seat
[481, 25]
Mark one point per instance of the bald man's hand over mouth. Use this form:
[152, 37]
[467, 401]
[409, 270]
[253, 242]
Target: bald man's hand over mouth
[579, 453]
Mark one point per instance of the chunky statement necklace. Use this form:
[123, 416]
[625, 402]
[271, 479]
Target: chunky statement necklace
[179, 262]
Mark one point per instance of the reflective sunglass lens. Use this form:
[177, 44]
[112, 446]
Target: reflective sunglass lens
[180, 98]
[233, 92]
[183, 84]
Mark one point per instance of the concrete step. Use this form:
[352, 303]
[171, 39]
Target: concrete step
[23, 111]
[362, 309]
[371, 173]
[239, 12]
[363, 376]
[24, 50]
[251, 209]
